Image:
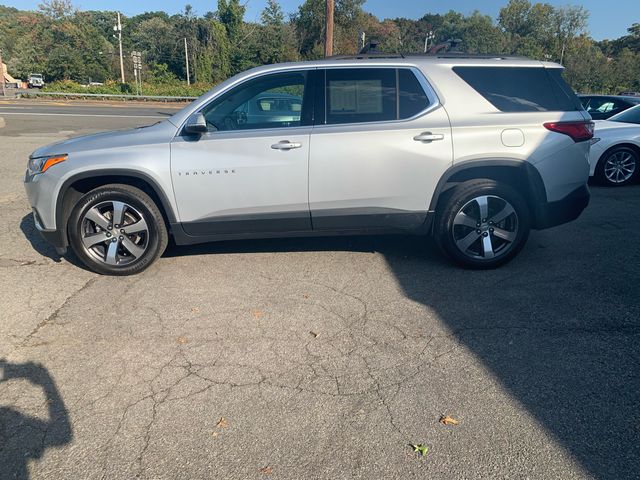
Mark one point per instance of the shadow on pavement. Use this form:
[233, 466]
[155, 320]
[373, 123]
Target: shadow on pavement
[38, 243]
[44, 248]
[23, 437]
[560, 331]
[559, 326]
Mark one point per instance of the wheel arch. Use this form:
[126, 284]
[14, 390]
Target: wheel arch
[623, 143]
[518, 173]
[77, 185]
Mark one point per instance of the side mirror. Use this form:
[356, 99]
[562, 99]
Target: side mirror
[196, 124]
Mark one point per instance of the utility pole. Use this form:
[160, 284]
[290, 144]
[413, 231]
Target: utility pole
[430, 36]
[186, 59]
[118, 30]
[4, 93]
[328, 31]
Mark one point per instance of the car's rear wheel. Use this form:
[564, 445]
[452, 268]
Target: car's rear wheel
[618, 167]
[482, 224]
[117, 230]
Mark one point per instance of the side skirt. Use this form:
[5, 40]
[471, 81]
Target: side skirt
[181, 237]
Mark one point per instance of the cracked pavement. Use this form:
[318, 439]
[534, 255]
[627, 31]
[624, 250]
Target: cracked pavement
[320, 358]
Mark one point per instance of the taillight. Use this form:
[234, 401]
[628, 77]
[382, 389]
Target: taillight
[579, 131]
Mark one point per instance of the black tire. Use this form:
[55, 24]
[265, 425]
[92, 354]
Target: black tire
[606, 174]
[457, 224]
[132, 252]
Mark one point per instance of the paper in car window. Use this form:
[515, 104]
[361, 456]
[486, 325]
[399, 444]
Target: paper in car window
[355, 96]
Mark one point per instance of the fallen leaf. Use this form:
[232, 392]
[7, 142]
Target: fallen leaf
[447, 420]
[266, 470]
[257, 313]
[215, 434]
[183, 340]
[222, 423]
[420, 448]
[195, 309]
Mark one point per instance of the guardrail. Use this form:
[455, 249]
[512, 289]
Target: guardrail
[160, 98]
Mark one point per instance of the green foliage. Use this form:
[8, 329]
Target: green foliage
[230, 14]
[71, 47]
[420, 449]
[175, 89]
[160, 74]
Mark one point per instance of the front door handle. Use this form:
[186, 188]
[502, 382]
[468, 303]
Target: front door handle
[428, 137]
[286, 145]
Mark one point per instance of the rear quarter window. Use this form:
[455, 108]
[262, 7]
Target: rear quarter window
[521, 89]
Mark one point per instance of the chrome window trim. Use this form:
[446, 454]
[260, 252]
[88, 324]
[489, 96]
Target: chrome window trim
[434, 101]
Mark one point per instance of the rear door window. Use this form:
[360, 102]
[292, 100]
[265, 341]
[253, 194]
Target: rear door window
[412, 97]
[363, 95]
[521, 89]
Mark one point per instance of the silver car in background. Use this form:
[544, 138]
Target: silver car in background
[474, 151]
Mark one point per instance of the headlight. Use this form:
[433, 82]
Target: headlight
[595, 140]
[42, 164]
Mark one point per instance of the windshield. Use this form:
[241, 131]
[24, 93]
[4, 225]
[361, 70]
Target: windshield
[632, 115]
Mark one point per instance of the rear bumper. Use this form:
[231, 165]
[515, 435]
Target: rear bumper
[569, 208]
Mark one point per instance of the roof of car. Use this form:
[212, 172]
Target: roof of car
[413, 60]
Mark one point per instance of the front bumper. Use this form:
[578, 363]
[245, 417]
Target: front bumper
[551, 214]
[40, 194]
[54, 237]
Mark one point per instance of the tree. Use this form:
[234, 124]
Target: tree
[272, 46]
[568, 22]
[26, 58]
[309, 25]
[57, 8]
[157, 39]
[63, 43]
[230, 13]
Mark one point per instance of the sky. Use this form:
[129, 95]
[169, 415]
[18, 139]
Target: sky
[605, 21]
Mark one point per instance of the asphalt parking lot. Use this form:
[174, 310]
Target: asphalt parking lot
[315, 358]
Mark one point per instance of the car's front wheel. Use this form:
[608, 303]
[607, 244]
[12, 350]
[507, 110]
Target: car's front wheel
[618, 167]
[482, 224]
[117, 230]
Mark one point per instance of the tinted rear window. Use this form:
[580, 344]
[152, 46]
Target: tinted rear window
[521, 89]
[412, 98]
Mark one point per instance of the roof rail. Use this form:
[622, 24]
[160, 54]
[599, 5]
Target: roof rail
[361, 56]
[364, 56]
[500, 56]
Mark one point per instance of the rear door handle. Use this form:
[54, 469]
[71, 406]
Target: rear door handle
[286, 145]
[428, 137]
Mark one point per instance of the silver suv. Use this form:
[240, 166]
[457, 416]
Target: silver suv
[474, 151]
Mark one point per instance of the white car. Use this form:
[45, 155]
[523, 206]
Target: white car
[615, 149]
[474, 150]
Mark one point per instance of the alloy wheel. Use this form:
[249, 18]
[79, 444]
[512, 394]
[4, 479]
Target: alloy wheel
[114, 233]
[620, 166]
[485, 227]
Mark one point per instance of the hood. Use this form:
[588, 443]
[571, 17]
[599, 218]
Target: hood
[161, 132]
